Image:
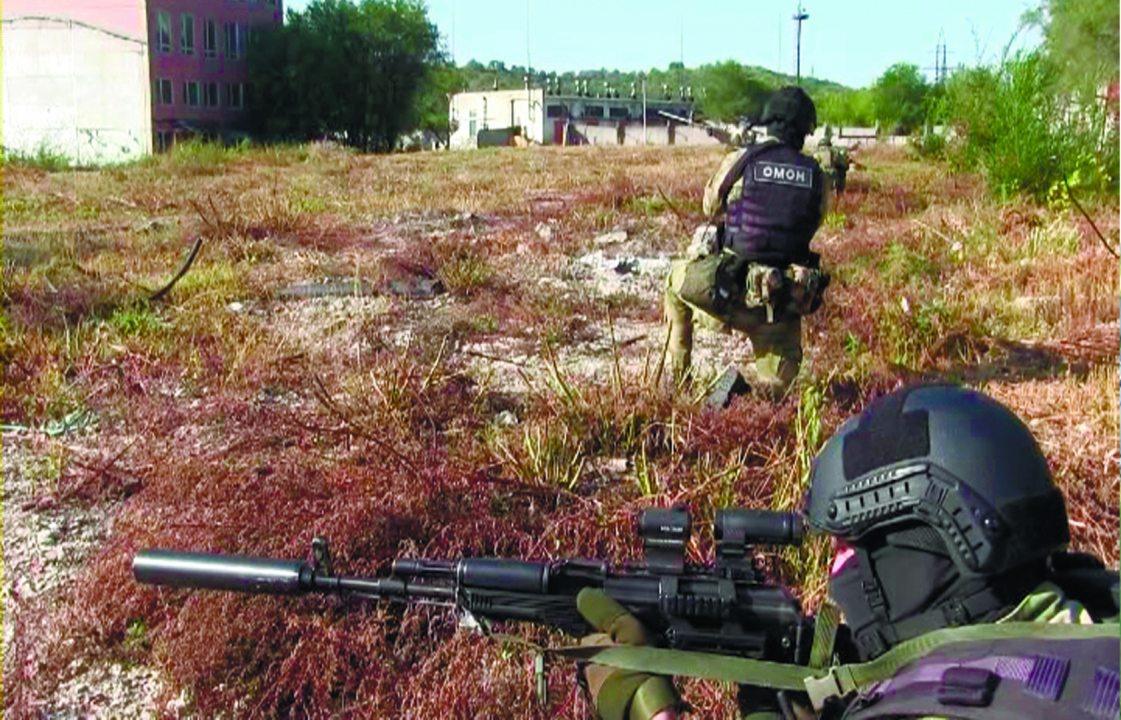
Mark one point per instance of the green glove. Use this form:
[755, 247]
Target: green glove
[621, 694]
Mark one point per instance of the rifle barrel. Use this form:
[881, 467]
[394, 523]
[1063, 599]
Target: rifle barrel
[237, 573]
[240, 573]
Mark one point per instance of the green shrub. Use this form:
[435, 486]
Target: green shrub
[136, 321]
[1025, 131]
[929, 144]
[465, 272]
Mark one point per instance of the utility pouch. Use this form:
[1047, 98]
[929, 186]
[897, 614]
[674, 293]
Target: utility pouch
[713, 282]
[763, 287]
[806, 288]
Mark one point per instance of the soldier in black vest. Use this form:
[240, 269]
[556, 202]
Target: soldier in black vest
[754, 272]
[959, 597]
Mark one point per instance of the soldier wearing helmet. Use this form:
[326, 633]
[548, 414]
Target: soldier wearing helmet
[752, 270]
[959, 597]
[834, 160]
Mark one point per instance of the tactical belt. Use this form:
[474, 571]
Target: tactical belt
[822, 683]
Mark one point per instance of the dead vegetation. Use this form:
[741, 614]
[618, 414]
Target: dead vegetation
[518, 413]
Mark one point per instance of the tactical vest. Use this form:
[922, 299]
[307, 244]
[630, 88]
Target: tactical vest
[779, 211]
[1010, 679]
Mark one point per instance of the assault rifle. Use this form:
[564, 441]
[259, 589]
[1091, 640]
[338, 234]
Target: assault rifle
[725, 608]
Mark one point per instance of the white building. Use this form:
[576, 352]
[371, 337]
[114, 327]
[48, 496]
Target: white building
[497, 110]
[76, 86]
[494, 117]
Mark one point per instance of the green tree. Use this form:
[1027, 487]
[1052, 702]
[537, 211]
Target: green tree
[1082, 39]
[733, 92]
[352, 72]
[1010, 121]
[443, 81]
[898, 98]
[841, 107]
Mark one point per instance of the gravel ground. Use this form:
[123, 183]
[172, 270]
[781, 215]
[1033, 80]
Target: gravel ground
[45, 547]
[47, 544]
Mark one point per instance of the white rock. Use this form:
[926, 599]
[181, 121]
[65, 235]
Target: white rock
[506, 418]
[616, 466]
[552, 282]
[611, 238]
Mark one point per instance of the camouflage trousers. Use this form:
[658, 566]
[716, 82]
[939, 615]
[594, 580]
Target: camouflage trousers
[777, 346]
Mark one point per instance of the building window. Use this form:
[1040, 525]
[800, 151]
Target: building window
[619, 113]
[235, 41]
[163, 31]
[210, 38]
[161, 92]
[472, 125]
[272, 2]
[210, 94]
[235, 95]
[187, 34]
[554, 111]
[593, 111]
[191, 93]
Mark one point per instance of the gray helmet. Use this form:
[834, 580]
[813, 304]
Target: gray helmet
[792, 105]
[951, 458]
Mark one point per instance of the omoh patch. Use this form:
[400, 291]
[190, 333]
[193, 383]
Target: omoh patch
[783, 174]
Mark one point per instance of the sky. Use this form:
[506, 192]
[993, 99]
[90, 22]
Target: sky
[850, 42]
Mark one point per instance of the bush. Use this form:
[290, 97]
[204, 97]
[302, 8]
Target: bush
[1016, 123]
[929, 144]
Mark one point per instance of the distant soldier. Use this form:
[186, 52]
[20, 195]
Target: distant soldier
[834, 160]
[753, 270]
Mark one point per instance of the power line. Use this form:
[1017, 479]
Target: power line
[941, 67]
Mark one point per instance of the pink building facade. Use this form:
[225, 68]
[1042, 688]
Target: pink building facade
[105, 81]
[199, 70]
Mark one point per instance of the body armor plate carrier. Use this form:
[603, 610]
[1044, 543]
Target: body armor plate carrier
[779, 209]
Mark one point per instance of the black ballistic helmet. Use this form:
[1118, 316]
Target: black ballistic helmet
[791, 105]
[948, 457]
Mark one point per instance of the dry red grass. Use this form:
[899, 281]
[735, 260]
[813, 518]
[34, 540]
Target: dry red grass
[249, 433]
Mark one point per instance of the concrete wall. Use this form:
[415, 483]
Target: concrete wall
[692, 135]
[472, 112]
[545, 116]
[663, 133]
[74, 86]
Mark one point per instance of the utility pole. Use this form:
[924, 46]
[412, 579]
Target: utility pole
[941, 66]
[528, 75]
[799, 17]
[645, 139]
